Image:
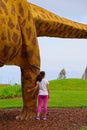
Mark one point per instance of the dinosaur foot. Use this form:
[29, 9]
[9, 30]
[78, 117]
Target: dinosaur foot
[26, 114]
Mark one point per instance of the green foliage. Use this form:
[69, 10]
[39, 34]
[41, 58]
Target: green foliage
[10, 91]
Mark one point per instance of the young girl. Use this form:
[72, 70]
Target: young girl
[43, 94]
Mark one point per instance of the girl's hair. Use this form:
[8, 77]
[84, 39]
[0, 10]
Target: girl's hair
[40, 76]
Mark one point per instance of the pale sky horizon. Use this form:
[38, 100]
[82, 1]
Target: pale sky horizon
[57, 53]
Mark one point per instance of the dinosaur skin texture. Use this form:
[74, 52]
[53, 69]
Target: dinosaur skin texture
[20, 25]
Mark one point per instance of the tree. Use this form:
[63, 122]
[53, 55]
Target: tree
[62, 74]
[84, 76]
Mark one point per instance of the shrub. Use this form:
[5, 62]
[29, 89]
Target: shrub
[10, 91]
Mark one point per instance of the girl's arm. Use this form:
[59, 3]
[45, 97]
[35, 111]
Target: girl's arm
[34, 89]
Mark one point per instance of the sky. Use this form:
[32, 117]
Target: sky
[57, 53]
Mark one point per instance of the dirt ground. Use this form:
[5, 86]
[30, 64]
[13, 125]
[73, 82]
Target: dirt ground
[58, 119]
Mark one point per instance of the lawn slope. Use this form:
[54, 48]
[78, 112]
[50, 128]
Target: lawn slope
[63, 93]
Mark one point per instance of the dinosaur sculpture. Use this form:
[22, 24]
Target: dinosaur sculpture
[20, 24]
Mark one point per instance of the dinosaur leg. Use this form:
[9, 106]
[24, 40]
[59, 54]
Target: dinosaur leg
[29, 100]
[30, 68]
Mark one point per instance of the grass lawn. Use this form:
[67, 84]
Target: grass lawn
[84, 128]
[63, 93]
[11, 103]
[68, 99]
[60, 99]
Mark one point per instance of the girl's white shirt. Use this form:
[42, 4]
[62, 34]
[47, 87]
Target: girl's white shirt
[43, 87]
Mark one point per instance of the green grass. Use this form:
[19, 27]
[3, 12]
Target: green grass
[68, 99]
[63, 93]
[10, 91]
[11, 103]
[84, 128]
[69, 84]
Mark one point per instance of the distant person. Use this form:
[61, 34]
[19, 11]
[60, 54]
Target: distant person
[43, 95]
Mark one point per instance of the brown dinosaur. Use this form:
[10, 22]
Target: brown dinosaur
[20, 24]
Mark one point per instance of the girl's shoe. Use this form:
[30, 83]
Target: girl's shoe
[37, 118]
[44, 118]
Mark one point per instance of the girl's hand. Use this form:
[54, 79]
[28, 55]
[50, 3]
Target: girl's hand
[33, 90]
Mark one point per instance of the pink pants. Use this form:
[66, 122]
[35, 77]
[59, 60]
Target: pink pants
[44, 99]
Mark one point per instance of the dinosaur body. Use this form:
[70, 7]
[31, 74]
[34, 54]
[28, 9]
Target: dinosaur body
[20, 24]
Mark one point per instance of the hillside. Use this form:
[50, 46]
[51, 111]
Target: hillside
[69, 84]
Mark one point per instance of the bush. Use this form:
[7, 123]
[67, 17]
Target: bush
[10, 91]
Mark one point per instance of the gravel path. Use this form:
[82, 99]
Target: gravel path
[58, 119]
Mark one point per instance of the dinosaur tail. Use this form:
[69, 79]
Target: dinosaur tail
[49, 24]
